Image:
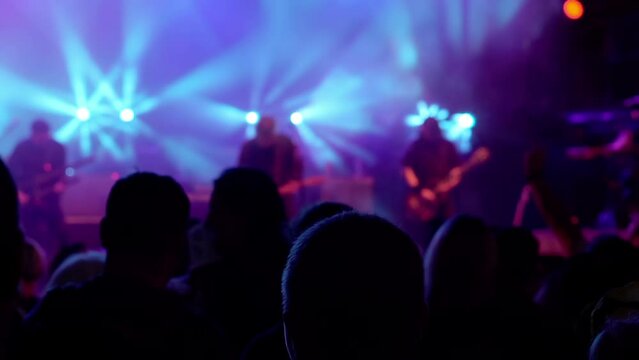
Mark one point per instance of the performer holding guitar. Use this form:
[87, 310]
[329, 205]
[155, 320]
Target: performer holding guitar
[432, 169]
[38, 165]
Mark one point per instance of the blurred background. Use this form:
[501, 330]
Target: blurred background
[177, 86]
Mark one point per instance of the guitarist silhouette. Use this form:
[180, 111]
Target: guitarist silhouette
[38, 165]
[276, 155]
[428, 161]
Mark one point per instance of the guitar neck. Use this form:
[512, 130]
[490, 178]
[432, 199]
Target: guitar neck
[43, 180]
[452, 180]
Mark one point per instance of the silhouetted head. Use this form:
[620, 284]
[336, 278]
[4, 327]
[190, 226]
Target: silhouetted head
[246, 213]
[614, 262]
[146, 222]
[40, 131]
[518, 262]
[460, 267]
[617, 342]
[609, 246]
[9, 213]
[11, 262]
[11, 238]
[353, 289]
[316, 214]
[609, 263]
[430, 130]
[266, 128]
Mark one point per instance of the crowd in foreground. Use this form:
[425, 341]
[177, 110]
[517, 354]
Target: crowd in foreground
[246, 283]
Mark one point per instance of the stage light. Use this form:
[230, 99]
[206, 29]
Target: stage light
[414, 120]
[574, 9]
[252, 117]
[127, 115]
[83, 114]
[422, 108]
[297, 118]
[443, 114]
[466, 121]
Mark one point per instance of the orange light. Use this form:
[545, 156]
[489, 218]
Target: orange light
[574, 9]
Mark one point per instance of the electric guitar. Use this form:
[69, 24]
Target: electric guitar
[41, 187]
[293, 187]
[426, 204]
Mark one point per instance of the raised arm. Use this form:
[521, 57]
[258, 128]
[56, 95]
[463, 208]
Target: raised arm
[565, 226]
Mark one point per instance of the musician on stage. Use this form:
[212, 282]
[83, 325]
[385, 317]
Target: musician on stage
[38, 165]
[276, 155]
[429, 160]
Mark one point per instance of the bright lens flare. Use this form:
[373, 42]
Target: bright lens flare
[252, 117]
[297, 118]
[127, 115]
[466, 121]
[83, 114]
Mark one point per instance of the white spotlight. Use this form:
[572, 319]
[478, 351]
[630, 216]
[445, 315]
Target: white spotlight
[252, 117]
[297, 118]
[83, 114]
[127, 115]
[466, 121]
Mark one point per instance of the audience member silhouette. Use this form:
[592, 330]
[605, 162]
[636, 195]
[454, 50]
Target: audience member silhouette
[570, 294]
[353, 289]
[9, 204]
[11, 249]
[618, 341]
[518, 279]
[240, 288]
[618, 305]
[316, 214]
[517, 266]
[127, 313]
[11, 262]
[461, 267]
[33, 274]
[461, 290]
[270, 345]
